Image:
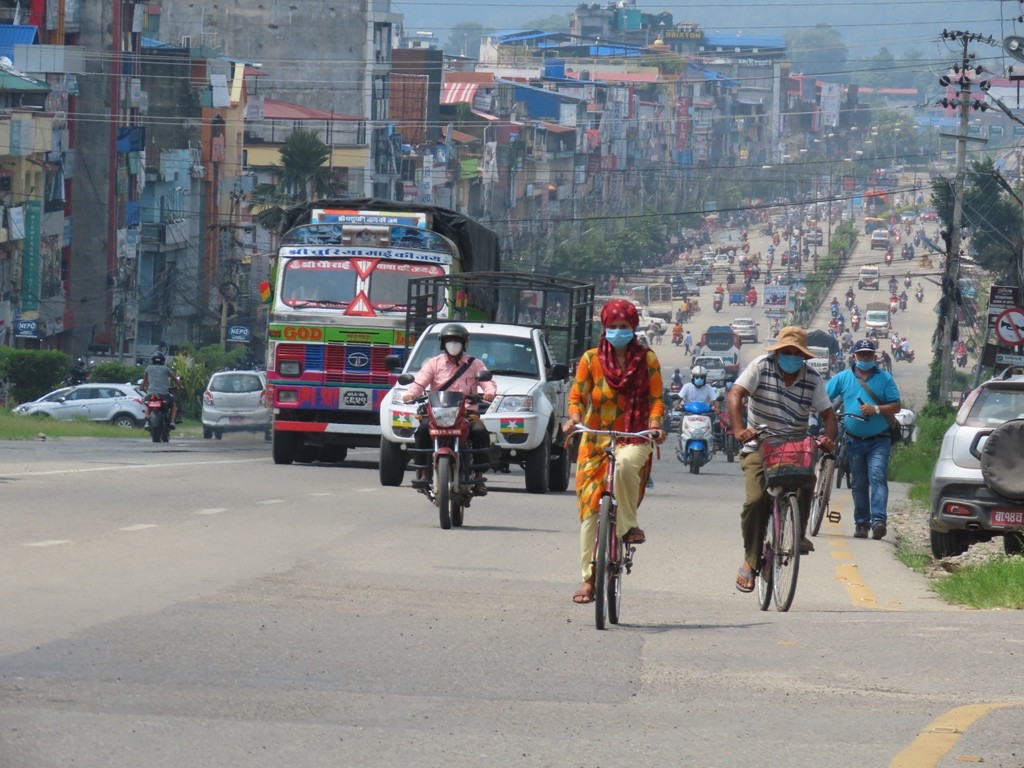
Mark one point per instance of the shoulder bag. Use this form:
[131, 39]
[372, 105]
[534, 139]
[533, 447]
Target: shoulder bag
[895, 428]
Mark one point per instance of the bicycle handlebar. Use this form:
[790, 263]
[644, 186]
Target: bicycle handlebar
[646, 434]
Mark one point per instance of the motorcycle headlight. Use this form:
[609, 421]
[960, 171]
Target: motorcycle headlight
[507, 403]
[396, 397]
[446, 416]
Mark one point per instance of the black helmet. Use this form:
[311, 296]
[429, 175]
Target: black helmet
[454, 331]
[157, 358]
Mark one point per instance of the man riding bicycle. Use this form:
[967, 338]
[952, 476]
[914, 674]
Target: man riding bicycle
[780, 392]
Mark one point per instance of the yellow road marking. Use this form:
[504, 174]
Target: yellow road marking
[846, 568]
[932, 744]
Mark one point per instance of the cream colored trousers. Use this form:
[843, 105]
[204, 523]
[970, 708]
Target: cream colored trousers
[629, 461]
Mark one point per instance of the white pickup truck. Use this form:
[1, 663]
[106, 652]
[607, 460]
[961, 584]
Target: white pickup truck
[524, 420]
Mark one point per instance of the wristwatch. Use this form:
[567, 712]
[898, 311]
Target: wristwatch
[877, 410]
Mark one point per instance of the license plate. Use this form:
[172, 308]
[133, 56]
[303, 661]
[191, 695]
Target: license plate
[235, 419]
[1007, 517]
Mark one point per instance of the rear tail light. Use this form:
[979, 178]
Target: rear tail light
[208, 397]
[957, 510]
[265, 397]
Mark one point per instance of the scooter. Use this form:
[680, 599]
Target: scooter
[855, 322]
[695, 439]
[894, 305]
[717, 303]
[159, 421]
[903, 302]
[452, 458]
[888, 257]
[919, 295]
[898, 354]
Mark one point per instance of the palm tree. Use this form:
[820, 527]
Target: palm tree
[301, 176]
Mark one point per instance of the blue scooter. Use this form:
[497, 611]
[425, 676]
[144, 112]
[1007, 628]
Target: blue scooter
[696, 445]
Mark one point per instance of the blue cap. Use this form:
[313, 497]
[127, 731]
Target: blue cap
[864, 345]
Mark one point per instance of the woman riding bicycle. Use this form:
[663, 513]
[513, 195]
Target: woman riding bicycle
[781, 390]
[618, 386]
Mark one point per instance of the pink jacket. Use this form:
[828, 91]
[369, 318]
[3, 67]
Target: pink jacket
[437, 370]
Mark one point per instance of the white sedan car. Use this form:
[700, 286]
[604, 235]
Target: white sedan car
[119, 404]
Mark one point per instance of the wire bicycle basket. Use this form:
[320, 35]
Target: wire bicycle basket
[789, 460]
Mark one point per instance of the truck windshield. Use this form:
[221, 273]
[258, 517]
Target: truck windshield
[503, 356]
[334, 283]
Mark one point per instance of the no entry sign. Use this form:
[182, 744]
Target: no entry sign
[1010, 327]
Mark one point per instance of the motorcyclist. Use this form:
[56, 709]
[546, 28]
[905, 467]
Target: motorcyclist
[79, 373]
[894, 285]
[454, 370]
[903, 299]
[158, 379]
[697, 390]
[676, 383]
[850, 296]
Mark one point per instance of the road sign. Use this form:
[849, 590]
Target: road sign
[1010, 327]
[801, 290]
[1004, 359]
[1001, 298]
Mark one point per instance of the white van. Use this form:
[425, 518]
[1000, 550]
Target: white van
[869, 278]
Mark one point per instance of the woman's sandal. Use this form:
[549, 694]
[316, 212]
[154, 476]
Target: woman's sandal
[634, 536]
[745, 579]
[585, 594]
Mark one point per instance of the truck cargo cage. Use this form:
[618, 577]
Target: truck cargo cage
[563, 307]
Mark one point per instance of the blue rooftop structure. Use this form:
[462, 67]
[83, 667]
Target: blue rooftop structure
[16, 34]
[742, 40]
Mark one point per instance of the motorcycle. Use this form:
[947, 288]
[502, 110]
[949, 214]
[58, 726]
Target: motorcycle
[453, 459]
[919, 295]
[752, 298]
[717, 303]
[855, 322]
[903, 302]
[695, 436]
[835, 310]
[894, 305]
[675, 414]
[159, 421]
[724, 438]
[898, 354]
[906, 282]
[961, 357]
[849, 301]
[888, 257]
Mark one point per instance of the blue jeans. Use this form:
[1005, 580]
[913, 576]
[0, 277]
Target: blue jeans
[869, 467]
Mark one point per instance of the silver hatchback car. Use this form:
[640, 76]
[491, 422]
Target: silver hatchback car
[966, 505]
[236, 401]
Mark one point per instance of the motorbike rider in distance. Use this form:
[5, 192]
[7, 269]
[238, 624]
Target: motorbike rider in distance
[455, 370]
[79, 373]
[676, 383]
[698, 390]
[158, 379]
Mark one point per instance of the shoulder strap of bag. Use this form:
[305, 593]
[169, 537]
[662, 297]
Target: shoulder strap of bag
[877, 400]
[458, 374]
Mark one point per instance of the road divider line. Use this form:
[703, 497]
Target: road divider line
[940, 735]
[846, 569]
[138, 527]
[120, 467]
[46, 543]
[210, 511]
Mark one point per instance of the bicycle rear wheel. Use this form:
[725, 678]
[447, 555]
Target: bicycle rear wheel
[765, 574]
[787, 550]
[601, 563]
[822, 494]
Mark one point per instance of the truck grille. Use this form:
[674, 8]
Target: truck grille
[342, 363]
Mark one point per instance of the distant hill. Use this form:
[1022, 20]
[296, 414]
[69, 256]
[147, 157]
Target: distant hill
[864, 27]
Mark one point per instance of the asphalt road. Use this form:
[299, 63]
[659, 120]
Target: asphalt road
[195, 605]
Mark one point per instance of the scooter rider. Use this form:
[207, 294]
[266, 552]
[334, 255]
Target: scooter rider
[157, 380]
[454, 370]
[676, 383]
[79, 373]
[698, 390]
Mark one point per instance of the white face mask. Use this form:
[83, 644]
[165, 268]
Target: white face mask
[453, 348]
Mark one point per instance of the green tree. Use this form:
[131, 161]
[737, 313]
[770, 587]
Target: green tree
[464, 39]
[819, 50]
[302, 175]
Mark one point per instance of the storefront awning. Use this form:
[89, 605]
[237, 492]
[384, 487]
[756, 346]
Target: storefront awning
[458, 93]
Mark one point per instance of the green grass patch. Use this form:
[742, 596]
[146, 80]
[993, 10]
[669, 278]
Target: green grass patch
[913, 558]
[997, 584]
[914, 463]
[13, 427]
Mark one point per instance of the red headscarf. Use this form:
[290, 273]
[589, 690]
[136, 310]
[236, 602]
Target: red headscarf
[632, 379]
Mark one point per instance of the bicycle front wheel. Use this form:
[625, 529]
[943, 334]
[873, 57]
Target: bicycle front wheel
[787, 550]
[822, 494]
[615, 571]
[601, 561]
[765, 574]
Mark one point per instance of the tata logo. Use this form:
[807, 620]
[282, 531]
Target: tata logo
[358, 360]
[293, 333]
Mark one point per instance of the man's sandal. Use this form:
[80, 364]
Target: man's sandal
[745, 579]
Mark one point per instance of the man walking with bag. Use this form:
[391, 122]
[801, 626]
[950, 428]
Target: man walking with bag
[871, 401]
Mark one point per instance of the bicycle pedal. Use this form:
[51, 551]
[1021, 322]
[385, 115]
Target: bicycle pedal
[833, 516]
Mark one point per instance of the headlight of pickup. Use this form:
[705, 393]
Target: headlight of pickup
[511, 403]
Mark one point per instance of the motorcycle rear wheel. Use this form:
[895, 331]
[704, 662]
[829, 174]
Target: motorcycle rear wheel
[156, 425]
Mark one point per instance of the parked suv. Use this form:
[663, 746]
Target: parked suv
[966, 505]
[120, 404]
[236, 401]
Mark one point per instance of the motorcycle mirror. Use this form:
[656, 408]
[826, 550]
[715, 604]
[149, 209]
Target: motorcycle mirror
[484, 376]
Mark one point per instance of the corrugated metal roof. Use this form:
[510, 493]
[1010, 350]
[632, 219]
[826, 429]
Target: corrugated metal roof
[16, 34]
[458, 93]
[283, 110]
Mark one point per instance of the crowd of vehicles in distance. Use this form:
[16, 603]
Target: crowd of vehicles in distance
[338, 311]
[655, 299]
[745, 328]
[869, 277]
[236, 401]
[879, 240]
[119, 404]
[529, 354]
[721, 341]
[977, 486]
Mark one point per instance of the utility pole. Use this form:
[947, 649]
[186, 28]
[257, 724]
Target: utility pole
[950, 281]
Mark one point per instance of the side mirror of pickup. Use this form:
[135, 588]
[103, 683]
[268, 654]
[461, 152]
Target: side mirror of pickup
[559, 371]
[393, 362]
[406, 379]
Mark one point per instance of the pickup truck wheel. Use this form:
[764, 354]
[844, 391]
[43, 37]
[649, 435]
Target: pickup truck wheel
[561, 471]
[538, 467]
[392, 464]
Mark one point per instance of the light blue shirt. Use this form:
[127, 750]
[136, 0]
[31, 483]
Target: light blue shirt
[846, 385]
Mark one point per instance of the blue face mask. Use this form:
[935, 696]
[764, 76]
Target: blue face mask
[790, 363]
[865, 365]
[618, 337]
[698, 382]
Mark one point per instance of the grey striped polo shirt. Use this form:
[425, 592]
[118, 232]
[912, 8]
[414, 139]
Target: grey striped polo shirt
[771, 402]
